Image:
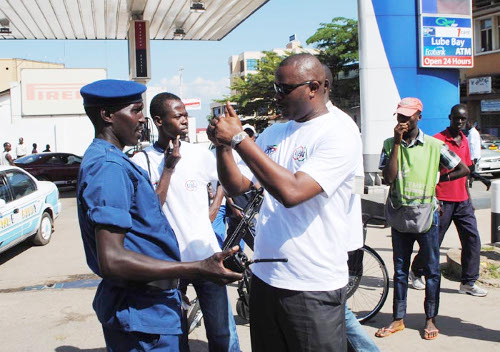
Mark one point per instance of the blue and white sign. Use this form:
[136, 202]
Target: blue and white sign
[445, 34]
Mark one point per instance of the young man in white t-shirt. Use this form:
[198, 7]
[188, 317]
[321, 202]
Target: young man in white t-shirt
[307, 168]
[180, 175]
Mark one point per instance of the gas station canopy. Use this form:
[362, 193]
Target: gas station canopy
[110, 19]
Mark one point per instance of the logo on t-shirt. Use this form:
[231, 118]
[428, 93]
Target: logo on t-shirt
[300, 153]
[191, 185]
[271, 149]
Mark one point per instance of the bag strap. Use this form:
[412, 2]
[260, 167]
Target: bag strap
[149, 164]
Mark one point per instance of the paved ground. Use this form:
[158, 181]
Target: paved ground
[62, 320]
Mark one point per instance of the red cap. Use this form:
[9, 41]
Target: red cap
[409, 106]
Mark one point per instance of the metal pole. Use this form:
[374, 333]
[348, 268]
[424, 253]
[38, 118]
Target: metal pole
[495, 211]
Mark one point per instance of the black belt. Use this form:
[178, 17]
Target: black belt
[166, 284]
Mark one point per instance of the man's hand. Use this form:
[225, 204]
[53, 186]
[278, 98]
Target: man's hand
[172, 154]
[224, 128]
[398, 132]
[213, 268]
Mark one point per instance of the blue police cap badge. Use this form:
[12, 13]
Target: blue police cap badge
[111, 92]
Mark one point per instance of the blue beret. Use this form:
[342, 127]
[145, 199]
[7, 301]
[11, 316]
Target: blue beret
[111, 92]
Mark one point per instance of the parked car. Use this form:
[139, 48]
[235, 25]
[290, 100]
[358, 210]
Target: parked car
[489, 163]
[60, 168]
[489, 141]
[28, 208]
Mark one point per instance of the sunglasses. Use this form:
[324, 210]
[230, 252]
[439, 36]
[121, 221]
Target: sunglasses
[285, 89]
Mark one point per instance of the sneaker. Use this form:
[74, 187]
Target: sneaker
[416, 281]
[473, 290]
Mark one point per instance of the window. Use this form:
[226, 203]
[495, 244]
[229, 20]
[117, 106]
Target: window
[21, 184]
[252, 64]
[4, 190]
[56, 160]
[73, 159]
[486, 35]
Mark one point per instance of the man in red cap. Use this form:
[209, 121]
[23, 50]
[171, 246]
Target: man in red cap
[410, 163]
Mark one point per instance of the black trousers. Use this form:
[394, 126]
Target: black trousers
[296, 321]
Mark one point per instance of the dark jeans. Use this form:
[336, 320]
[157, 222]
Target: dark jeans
[462, 215]
[296, 321]
[402, 246]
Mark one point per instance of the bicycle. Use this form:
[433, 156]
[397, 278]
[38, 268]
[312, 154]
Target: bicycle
[368, 285]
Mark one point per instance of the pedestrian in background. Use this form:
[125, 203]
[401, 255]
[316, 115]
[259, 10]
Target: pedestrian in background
[34, 150]
[6, 157]
[21, 148]
[47, 149]
[410, 163]
[456, 206]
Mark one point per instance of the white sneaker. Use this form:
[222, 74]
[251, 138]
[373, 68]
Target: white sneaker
[416, 281]
[473, 290]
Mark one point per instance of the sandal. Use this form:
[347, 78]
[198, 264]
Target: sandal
[428, 332]
[384, 332]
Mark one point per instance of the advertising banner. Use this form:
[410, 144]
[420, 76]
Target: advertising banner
[446, 33]
[55, 91]
[192, 103]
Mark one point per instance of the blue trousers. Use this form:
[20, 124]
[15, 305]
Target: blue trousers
[462, 215]
[218, 317]
[357, 338]
[402, 246]
[134, 341]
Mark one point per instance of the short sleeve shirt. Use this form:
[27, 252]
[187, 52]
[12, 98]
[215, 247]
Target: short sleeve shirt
[311, 235]
[454, 191]
[186, 206]
[112, 191]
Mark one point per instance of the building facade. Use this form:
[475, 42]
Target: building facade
[481, 84]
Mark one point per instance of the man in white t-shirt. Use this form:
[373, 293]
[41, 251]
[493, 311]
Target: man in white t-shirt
[180, 173]
[21, 148]
[357, 337]
[307, 168]
[5, 157]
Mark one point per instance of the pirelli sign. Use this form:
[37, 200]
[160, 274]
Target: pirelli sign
[55, 91]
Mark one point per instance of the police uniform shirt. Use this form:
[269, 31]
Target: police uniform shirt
[113, 191]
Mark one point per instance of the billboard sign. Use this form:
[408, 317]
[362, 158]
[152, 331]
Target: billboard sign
[55, 91]
[445, 33]
[192, 104]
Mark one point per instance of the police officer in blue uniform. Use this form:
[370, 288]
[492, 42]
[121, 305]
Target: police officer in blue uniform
[127, 239]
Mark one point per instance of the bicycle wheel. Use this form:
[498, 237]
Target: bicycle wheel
[368, 285]
[194, 315]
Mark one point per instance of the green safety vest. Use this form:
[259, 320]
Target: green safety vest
[418, 172]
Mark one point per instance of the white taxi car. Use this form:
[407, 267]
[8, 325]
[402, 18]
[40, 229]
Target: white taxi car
[28, 208]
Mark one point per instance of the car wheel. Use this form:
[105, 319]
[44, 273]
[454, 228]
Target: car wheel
[43, 178]
[44, 233]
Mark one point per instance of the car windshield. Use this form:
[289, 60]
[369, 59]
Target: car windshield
[28, 159]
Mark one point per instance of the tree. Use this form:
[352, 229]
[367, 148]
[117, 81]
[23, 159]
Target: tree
[254, 94]
[337, 42]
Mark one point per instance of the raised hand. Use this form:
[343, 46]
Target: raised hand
[172, 154]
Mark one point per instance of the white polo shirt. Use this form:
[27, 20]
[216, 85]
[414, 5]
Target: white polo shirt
[312, 234]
